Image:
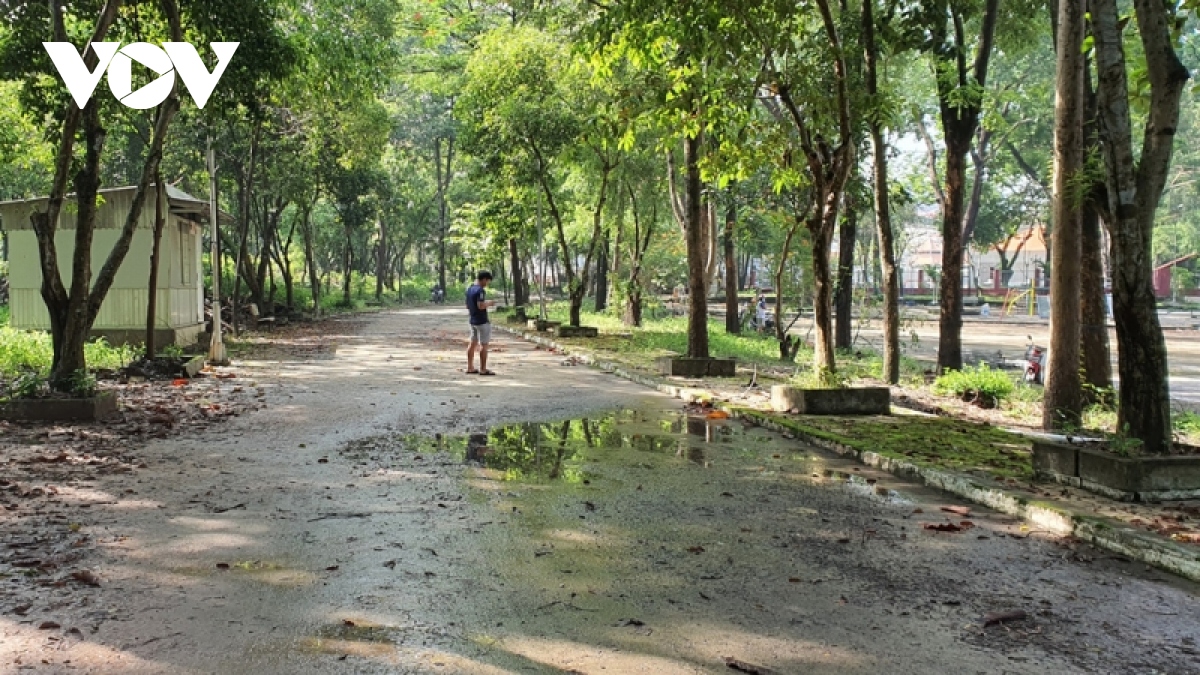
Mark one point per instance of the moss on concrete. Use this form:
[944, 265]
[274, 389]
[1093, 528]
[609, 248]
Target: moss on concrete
[928, 441]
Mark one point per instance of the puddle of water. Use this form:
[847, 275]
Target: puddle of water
[572, 451]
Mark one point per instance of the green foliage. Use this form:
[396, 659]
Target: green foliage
[1123, 444]
[1182, 281]
[1187, 423]
[979, 382]
[27, 351]
[822, 379]
[4, 316]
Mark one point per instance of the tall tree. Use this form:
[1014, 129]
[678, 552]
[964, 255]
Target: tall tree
[1135, 185]
[942, 26]
[883, 214]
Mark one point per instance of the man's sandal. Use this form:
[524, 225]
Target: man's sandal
[486, 373]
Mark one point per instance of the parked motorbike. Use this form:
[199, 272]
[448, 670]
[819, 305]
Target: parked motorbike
[1035, 363]
[750, 320]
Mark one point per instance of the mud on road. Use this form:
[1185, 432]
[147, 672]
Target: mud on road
[387, 513]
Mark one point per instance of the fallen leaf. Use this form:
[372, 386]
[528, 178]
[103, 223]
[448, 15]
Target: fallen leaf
[222, 566]
[942, 527]
[87, 577]
[696, 549]
[958, 510]
[348, 622]
[332, 568]
[48, 625]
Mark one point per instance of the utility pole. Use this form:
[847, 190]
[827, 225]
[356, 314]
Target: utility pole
[216, 347]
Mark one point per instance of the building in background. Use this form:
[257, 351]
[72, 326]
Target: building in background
[122, 317]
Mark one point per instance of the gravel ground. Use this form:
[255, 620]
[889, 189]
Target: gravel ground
[326, 533]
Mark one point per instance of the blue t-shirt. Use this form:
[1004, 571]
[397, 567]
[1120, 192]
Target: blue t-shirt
[476, 295]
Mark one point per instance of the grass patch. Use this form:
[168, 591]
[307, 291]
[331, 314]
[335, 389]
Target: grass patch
[667, 336]
[938, 442]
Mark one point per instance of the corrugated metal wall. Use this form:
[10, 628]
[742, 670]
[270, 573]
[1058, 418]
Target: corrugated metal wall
[180, 295]
[123, 309]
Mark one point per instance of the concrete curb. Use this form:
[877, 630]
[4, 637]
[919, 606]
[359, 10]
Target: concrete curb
[1102, 532]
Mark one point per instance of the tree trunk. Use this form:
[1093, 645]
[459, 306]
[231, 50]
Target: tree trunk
[640, 243]
[69, 359]
[602, 263]
[520, 283]
[1097, 361]
[443, 185]
[1097, 358]
[844, 298]
[883, 216]
[1063, 405]
[314, 275]
[697, 236]
[823, 294]
[347, 268]
[160, 221]
[950, 355]
[1135, 187]
[381, 261]
[733, 323]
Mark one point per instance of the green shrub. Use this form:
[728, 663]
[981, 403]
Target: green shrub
[1187, 423]
[31, 351]
[980, 385]
[4, 313]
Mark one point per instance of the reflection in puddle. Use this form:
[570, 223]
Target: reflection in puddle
[561, 450]
[572, 451]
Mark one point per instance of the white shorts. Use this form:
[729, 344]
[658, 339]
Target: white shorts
[481, 334]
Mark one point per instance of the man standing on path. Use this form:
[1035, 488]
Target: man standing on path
[481, 328]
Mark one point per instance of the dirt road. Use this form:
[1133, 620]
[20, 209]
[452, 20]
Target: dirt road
[387, 513]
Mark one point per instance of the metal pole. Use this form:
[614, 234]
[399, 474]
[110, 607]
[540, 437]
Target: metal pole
[216, 347]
